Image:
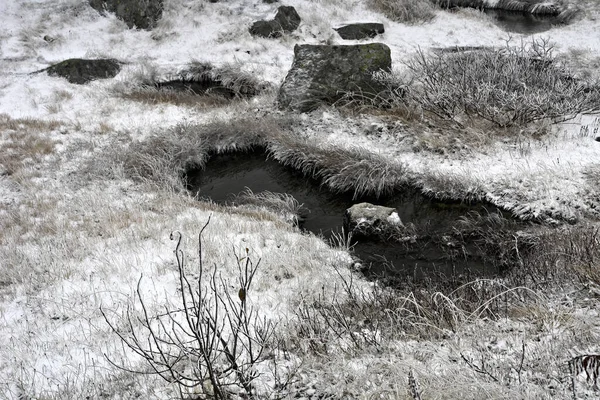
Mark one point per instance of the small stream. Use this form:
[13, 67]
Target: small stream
[229, 174]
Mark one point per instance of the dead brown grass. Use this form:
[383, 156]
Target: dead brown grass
[23, 141]
[406, 11]
[38, 125]
[165, 96]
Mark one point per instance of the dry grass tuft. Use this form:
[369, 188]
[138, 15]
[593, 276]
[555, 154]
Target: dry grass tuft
[410, 12]
[228, 77]
[560, 257]
[24, 141]
[281, 204]
[153, 96]
[505, 242]
[514, 86]
[537, 7]
[343, 170]
[200, 85]
[164, 158]
[38, 125]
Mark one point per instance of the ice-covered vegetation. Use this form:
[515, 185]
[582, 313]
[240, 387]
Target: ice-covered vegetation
[97, 301]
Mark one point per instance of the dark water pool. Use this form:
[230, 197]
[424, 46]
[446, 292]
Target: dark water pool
[227, 175]
[522, 22]
[197, 87]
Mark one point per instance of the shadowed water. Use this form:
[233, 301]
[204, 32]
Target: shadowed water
[522, 22]
[227, 175]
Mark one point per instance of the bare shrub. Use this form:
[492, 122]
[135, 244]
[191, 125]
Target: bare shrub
[406, 11]
[516, 85]
[211, 345]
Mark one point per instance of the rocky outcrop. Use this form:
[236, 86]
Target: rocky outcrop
[286, 20]
[323, 74]
[80, 71]
[141, 14]
[360, 31]
[366, 219]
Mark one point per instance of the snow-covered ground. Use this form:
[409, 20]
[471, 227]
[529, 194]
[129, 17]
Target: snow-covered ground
[76, 234]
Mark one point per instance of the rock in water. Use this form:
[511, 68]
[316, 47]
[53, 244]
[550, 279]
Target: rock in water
[366, 219]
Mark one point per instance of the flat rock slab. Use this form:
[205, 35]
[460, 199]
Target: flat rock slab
[323, 74]
[80, 71]
[360, 31]
[286, 20]
[141, 14]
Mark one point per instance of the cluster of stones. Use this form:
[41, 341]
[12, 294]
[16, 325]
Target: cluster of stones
[320, 74]
[286, 20]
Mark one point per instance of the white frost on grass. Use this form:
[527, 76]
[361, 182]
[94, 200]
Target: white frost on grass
[547, 177]
[72, 241]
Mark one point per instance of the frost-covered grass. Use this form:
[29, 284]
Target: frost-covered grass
[516, 85]
[341, 169]
[91, 188]
[406, 11]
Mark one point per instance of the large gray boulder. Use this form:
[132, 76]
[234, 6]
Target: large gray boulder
[80, 71]
[141, 14]
[358, 31]
[286, 20]
[323, 74]
[366, 219]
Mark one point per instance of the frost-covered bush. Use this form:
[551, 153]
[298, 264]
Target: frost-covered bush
[515, 85]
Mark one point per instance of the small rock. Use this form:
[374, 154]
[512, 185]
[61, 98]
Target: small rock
[368, 219]
[80, 71]
[286, 20]
[359, 31]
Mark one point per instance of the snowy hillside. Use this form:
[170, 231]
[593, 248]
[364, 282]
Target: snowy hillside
[86, 213]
